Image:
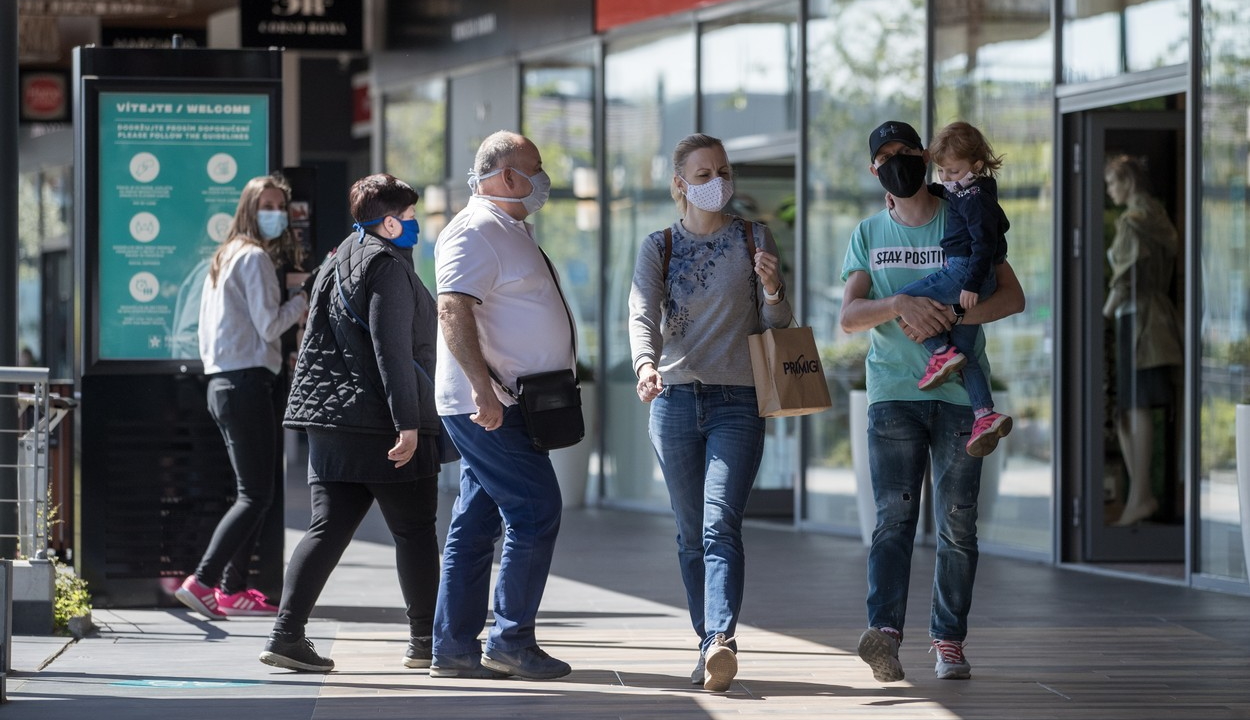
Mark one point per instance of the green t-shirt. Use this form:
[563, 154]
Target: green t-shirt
[894, 255]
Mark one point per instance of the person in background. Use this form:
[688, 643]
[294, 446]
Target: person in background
[1149, 348]
[700, 287]
[242, 318]
[502, 316]
[362, 390]
[910, 428]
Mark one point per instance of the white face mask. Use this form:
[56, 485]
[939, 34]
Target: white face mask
[711, 195]
[540, 189]
[954, 186]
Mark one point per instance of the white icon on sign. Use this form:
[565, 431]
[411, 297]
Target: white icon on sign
[144, 167]
[219, 227]
[143, 287]
[144, 227]
[222, 168]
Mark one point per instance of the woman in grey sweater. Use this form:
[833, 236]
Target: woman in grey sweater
[700, 287]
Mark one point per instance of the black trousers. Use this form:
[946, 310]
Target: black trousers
[242, 403]
[409, 508]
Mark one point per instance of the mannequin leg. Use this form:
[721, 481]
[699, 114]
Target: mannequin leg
[1136, 430]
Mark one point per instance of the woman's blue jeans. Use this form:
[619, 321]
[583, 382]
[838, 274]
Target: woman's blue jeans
[901, 438]
[944, 286]
[709, 440]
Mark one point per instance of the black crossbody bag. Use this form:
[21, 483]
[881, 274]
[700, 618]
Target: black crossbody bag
[551, 402]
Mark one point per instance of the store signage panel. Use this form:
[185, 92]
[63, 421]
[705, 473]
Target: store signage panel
[450, 34]
[302, 24]
[171, 168]
[614, 13]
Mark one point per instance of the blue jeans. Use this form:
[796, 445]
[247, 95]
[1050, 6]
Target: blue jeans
[502, 478]
[944, 286]
[709, 440]
[901, 437]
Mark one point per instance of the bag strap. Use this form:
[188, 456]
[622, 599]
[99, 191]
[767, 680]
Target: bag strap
[360, 322]
[668, 246]
[567, 311]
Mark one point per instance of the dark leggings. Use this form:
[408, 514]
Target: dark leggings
[242, 403]
[409, 508]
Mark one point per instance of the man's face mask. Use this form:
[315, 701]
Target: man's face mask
[902, 175]
[540, 186]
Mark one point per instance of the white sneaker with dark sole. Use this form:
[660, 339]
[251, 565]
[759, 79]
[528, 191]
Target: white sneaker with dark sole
[879, 649]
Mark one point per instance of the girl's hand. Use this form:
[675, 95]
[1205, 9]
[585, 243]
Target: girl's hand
[968, 299]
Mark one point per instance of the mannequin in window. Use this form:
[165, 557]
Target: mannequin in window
[1143, 258]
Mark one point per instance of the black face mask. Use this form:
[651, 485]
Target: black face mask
[902, 175]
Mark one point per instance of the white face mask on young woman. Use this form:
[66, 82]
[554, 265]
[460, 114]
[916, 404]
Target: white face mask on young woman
[711, 195]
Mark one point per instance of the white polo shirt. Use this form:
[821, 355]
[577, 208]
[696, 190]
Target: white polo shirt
[522, 321]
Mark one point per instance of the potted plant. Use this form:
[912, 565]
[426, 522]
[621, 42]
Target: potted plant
[845, 363]
[572, 464]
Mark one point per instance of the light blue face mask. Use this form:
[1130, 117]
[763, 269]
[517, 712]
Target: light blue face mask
[540, 189]
[272, 223]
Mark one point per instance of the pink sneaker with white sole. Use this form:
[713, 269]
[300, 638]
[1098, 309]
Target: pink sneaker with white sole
[942, 365]
[200, 598]
[249, 603]
[986, 432]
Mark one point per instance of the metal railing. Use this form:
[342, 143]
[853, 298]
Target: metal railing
[24, 483]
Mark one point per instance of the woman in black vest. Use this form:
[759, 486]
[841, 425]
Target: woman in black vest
[362, 392]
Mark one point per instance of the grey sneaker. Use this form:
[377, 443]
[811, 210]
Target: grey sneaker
[420, 652]
[696, 677]
[531, 663]
[951, 663]
[879, 648]
[462, 666]
[296, 654]
[720, 664]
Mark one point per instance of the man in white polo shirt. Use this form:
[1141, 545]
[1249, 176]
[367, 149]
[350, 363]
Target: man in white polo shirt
[500, 309]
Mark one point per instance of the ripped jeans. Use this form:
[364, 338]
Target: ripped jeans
[901, 437]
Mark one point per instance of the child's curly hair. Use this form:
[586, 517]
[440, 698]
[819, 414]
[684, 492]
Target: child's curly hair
[962, 141]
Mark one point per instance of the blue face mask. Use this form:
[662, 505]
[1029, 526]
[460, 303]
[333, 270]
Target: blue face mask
[406, 239]
[271, 223]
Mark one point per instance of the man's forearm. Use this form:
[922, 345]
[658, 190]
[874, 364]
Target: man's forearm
[459, 326]
[1006, 300]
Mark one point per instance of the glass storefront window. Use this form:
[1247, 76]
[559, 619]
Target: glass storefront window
[414, 126]
[1104, 39]
[43, 282]
[557, 113]
[865, 65]
[649, 94]
[998, 78]
[749, 73]
[1224, 296]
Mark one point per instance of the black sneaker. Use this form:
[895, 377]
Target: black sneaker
[532, 663]
[294, 654]
[420, 652]
[463, 666]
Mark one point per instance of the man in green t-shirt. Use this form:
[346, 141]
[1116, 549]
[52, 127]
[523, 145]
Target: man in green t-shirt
[907, 426]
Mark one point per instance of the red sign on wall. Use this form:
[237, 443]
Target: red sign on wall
[614, 13]
[44, 96]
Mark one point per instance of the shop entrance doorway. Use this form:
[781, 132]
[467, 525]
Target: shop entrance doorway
[1124, 286]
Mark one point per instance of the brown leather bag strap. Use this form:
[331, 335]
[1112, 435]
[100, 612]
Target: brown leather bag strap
[750, 240]
[668, 250]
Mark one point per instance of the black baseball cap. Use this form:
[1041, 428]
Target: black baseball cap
[893, 131]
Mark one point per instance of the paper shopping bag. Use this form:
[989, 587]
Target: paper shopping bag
[789, 379]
